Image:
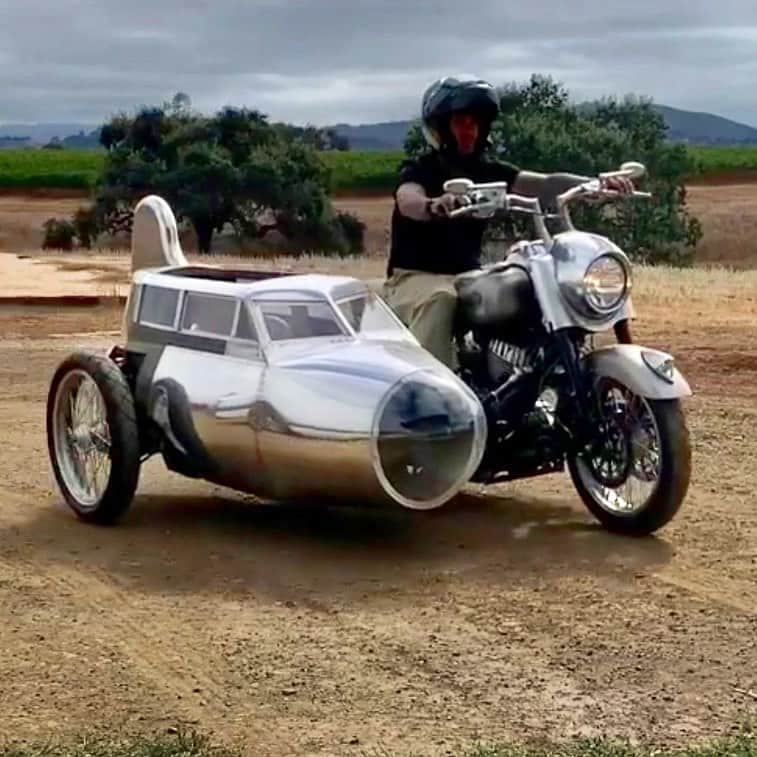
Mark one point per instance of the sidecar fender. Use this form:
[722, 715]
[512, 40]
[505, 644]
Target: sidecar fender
[646, 372]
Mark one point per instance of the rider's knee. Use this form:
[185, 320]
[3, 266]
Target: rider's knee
[442, 295]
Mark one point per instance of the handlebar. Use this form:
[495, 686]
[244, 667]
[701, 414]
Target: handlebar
[487, 198]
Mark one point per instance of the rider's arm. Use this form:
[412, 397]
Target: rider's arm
[412, 201]
[548, 186]
[545, 186]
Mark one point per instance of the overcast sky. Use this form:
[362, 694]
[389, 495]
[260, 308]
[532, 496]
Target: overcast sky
[360, 61]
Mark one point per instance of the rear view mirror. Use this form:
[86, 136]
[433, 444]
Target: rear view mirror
[458, 186]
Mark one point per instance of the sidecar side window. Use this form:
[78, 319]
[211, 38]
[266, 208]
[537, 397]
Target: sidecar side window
[209, 314]
[158, 306]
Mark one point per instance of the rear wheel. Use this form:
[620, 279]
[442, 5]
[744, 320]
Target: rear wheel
[93, 437]
[635, 476]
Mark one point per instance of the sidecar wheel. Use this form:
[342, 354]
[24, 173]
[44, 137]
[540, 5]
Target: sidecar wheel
[93, 438]
[665, 473]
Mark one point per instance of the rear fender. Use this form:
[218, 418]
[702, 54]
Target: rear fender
[646, 372]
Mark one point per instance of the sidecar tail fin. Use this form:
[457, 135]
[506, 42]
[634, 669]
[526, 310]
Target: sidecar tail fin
[155, 236]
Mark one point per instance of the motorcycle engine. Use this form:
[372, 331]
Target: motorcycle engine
[528, 403]
[503, 359]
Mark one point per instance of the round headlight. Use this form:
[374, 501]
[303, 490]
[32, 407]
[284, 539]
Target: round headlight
[605, 283]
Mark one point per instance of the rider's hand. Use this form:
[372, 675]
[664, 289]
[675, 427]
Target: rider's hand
[446, 203]
[620, 184]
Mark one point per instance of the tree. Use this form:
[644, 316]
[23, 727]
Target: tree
[415, 142]
[180, 103]
[540, 130]
[318, 139]
[232, 169]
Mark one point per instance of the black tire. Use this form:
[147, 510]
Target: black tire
[196, 461]
[672, 485]
[123, 429]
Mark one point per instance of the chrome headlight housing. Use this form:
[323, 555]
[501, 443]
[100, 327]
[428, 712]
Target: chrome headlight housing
[593, 275]
[606, 283]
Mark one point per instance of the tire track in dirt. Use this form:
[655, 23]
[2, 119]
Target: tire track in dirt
[152, 636]
[727, 592]
[144, 637]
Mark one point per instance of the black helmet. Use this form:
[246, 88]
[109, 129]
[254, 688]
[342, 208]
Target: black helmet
[453, 94]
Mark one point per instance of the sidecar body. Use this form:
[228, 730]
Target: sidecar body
[284, 385]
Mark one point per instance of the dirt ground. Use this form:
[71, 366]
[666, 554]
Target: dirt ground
[508, 614]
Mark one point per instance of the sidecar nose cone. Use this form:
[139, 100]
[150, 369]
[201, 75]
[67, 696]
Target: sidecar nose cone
[429, 436]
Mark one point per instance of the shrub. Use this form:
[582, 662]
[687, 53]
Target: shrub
[354, 231]
[59, 234]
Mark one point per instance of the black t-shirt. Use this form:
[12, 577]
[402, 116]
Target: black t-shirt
[442, 245]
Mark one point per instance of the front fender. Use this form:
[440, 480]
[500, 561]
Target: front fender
[646, 372]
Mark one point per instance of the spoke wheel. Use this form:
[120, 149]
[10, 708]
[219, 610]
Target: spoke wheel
[93, 439]
[634, 477]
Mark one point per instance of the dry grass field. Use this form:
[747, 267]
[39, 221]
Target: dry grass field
[506, 615]
[728, 213]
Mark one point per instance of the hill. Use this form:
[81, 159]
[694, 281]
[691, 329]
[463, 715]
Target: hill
[684, 126]
[42, 133]
[705, 128]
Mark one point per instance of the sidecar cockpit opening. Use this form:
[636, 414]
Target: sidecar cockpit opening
[231, 275]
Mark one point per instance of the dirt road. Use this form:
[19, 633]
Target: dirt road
[329, 632]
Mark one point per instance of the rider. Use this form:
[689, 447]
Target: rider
[428, 249]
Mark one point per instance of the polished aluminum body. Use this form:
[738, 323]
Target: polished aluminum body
[291, 386]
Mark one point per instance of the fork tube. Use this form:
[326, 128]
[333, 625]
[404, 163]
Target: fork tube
[567, 220]
[623, 332]
[541, 228]
[570, 359]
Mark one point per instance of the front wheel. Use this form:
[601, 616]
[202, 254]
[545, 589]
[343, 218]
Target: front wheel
[93, 438]
[635, 476]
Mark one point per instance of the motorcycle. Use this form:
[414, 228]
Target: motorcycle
[262, 380]
[526, 344]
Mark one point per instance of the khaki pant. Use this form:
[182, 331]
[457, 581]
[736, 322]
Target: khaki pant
[426, 303]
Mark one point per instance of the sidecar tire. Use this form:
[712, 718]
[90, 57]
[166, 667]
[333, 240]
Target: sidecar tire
[196, 462]
[672, 485]
[124, 448]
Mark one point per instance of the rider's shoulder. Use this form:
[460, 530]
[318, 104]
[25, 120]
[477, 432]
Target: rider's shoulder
[419, 168]
[426, 160]
[499, 170]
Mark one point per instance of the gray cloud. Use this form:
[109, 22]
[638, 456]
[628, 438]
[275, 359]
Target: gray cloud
[344, 60]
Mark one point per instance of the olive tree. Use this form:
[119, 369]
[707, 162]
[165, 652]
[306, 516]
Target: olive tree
[230, 169]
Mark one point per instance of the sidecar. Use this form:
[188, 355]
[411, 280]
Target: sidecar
[286, 386]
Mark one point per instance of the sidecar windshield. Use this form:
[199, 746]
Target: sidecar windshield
[368, 314]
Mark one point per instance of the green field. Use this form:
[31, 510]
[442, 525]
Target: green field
[28, 168]
[718, 160]
[357, 171]
[363, 171]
